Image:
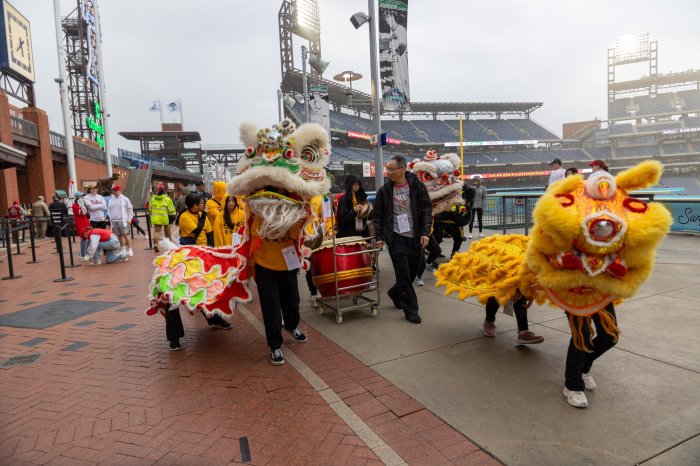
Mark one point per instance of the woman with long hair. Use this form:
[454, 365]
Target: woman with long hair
[228, 222]
[352, 209]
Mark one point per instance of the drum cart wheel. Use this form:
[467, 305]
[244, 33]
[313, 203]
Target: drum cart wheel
[374, 311]
[320, 310]
[339, 319]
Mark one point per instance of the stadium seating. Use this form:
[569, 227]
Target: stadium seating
[675, 148]
[534, 130]
[691, 100]
[539, 155]
[570, 154]
[624, 128]
[639, 151]
[600, 153]
[508, 157]
[471, 130]
[689, 182]
[503, 129]
[657, 127]
[404, 130]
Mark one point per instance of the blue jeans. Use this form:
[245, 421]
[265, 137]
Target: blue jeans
[84, 244]
[110, 248]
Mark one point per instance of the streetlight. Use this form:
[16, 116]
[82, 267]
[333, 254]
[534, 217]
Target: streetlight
[357, 20]
[318, 65]
[348, 77]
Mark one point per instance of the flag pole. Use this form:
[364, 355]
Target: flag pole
[160, 107]
[461, 146]
[182, 124]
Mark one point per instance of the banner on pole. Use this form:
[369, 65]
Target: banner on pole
[393, 54]
[319, 111]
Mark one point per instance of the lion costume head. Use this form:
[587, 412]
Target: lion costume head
[591, 242]
[440, 174]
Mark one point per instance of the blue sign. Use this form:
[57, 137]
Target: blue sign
[686, 216]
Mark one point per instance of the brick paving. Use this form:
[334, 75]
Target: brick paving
[108, 390]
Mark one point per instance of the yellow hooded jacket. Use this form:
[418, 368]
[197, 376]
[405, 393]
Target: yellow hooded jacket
[215, 205]
[223, 235]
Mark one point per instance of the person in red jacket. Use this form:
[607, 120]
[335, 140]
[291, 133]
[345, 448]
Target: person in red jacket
[103, 240]
[81, 218]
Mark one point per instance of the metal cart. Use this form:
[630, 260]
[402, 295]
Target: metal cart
[345, 299]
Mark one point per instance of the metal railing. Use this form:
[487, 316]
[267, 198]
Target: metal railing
[24, 128]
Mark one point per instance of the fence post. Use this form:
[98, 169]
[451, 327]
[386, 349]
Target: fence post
[16, 230]
[70, 230]
[503, 214]
[527, 215]
[57, 221]
[32, 236]
[148, 226]
[8, 243]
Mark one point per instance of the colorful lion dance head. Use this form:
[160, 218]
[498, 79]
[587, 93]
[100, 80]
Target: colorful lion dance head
[591, 242]
[283, 168]
[441, 176]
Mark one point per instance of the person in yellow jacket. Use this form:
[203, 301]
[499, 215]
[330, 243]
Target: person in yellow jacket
[195, 228]
[325, 218]
[215, 205]
[228, 222]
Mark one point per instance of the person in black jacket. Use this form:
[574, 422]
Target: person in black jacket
[402, 220]
[348, 208]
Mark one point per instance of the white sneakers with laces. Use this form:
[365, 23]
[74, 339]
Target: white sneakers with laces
[575, 398]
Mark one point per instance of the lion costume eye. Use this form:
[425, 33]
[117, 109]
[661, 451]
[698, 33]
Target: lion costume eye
[635, 205]
[310, 154]
[249, 152]
[425, 176]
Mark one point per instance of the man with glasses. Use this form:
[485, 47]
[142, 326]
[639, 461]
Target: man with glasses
[402, 219]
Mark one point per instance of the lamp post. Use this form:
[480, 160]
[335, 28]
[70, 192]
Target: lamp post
[304, 57]
[63, 87]
[348, 77]
[357, 20]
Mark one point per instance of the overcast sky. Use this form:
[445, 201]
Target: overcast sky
[221, 57]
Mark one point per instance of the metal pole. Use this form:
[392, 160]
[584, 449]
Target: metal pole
[69, 230]
[373, 24]
[182, 121]
[304, 56]
[103, 88]
[279, 104]
[63, 91]
[32, 235]
[8, 232]
[148, 226]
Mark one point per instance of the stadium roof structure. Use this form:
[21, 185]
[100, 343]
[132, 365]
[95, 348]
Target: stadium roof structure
[340, 96]
[181, 136]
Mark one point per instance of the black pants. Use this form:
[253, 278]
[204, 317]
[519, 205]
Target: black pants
[405, 256]
[279, 298]
[174, 329]
[310, 283]
[519, 310]
[476, 213]
[579, 362]
[173, 324]
[434, 252]
[451, 229]
[95, 224]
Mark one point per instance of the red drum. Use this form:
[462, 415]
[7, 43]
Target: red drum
[352, 270]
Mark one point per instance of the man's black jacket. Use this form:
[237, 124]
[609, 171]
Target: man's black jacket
[421, 209]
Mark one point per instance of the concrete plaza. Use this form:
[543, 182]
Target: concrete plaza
[369, 391]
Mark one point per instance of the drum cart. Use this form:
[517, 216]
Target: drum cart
[351, 296]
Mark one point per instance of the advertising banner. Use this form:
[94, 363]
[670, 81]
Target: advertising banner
[368, 170]
[393, 54]
[318, 106]
[686, 216]
[88, 14]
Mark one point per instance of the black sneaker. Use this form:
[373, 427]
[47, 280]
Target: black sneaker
[222, 325]
[414, 319]
[276, 357]
[299, 336]
[175, 345]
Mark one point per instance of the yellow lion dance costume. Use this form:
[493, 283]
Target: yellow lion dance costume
[591, 244]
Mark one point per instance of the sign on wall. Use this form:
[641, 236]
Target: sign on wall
[393, 54]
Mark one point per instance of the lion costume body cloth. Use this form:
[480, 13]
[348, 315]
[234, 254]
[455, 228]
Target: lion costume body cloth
[282, 169]
[591, 244]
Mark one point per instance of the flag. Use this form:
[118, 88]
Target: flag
[174, 106]
[155, 106]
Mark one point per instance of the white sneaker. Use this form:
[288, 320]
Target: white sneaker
[575, 399]
[85, 258]
[131, 252]
[470, 236]
[97, 262]
[125, 256]
[419, 281]
[589, 381]
[482, 235]
[314, 302]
